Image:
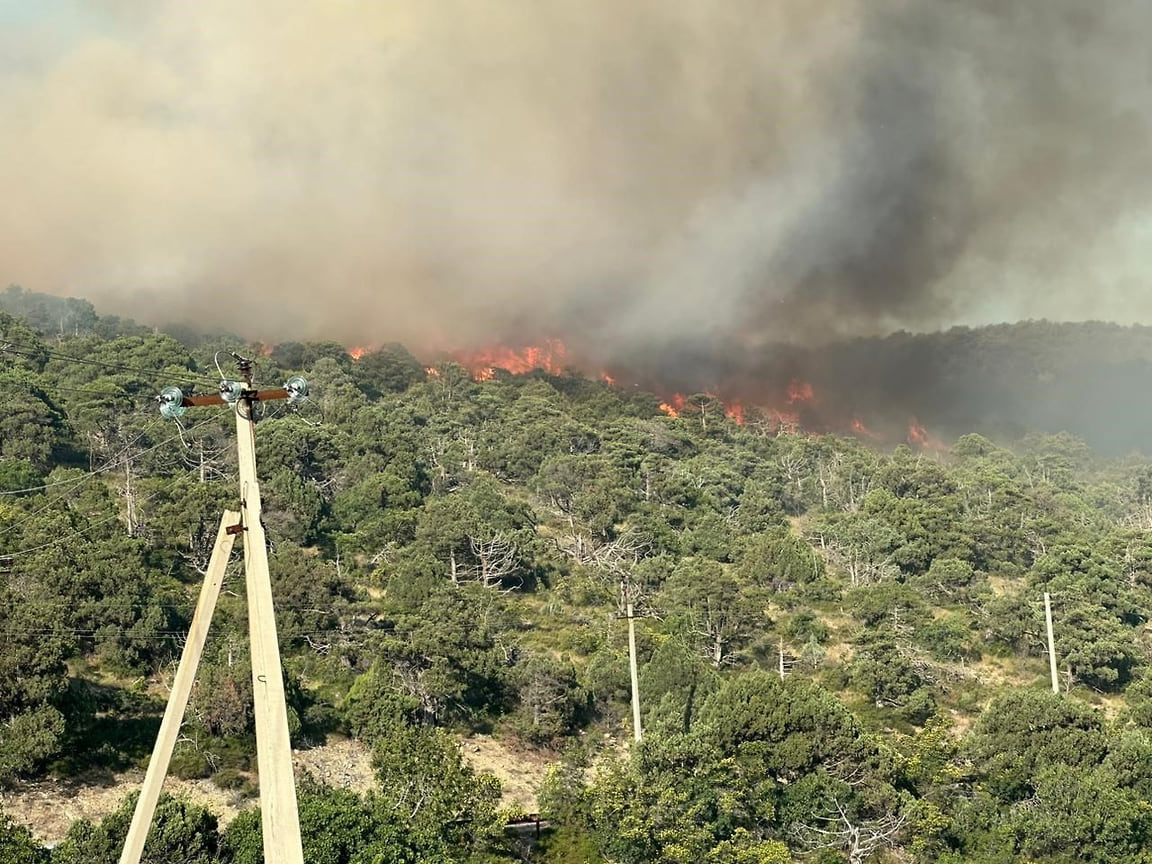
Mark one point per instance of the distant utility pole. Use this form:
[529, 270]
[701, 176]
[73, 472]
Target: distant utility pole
[626, 594]
[278, 812]
[1051, 642]
[781, 658]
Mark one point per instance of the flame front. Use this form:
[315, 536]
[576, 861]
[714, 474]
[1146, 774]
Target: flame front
[800, 392]
[674, 406]
[549, 357]
[918, 435]
[794, 408]
[734, 411]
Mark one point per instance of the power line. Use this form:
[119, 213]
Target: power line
[181, 607]
[79, 480]
[51, 389]
[7, 556]
[105, 468]
[78, 532]
[81, 632]
[123, 394]
[51, 502]
[34, 352]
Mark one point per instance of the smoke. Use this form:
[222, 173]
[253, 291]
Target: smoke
[635, 176]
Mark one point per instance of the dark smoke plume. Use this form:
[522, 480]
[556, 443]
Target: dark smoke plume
[638, 177]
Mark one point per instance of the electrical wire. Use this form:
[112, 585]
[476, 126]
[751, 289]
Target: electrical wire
[76, 532]
[105, 468]
[7, 347]
[81, 632]
[88, 475]
[188, 606]
[51, 389]
[47, 505]
[8, 556]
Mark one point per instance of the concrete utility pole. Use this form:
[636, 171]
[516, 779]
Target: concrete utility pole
[626, 590]
[1051, 642]
[278, 812]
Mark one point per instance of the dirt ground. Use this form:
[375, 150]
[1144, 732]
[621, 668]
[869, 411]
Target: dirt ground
[49, 807]
[520, 772]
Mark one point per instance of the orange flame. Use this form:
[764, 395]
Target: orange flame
[800, 391]
[549, 357]
[798, 408]
[674, 406]
[918, 435]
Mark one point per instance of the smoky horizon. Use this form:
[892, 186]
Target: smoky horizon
[635, 178]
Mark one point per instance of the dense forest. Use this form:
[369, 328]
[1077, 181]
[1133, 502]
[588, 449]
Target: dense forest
[842, 647]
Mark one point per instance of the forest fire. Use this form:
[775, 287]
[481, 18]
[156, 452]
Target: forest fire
[796, 406]
[919, 437]
[550, 357]
[800, 392]
[674, 405]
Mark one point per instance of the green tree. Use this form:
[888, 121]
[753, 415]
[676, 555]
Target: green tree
[181, 833]
[1023, 732]
[17, 845]
[388, 369]
[722, 615]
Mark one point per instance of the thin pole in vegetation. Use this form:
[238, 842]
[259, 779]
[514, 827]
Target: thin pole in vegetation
[781, 658]
[1051, 642]
[279, 815]
[625, 589]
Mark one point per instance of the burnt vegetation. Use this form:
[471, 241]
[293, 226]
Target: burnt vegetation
[842, 644]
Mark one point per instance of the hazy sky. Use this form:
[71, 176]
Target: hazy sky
[622, 173]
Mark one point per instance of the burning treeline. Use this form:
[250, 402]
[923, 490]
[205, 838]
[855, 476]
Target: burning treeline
[795, 408]
[921, 389]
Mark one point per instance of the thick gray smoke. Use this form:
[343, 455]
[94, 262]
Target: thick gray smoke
[625, 174]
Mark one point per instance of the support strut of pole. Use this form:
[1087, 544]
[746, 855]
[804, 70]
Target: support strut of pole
[181, 688]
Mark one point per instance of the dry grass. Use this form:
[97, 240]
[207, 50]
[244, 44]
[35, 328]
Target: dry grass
[49, 807]
[520, 771]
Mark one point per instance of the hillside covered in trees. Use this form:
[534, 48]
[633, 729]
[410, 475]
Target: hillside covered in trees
[841, 646]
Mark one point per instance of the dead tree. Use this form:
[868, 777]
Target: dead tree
[499, 558]
[858, 838]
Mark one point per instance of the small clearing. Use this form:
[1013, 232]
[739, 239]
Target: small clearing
[520, 772]
[49, 807]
